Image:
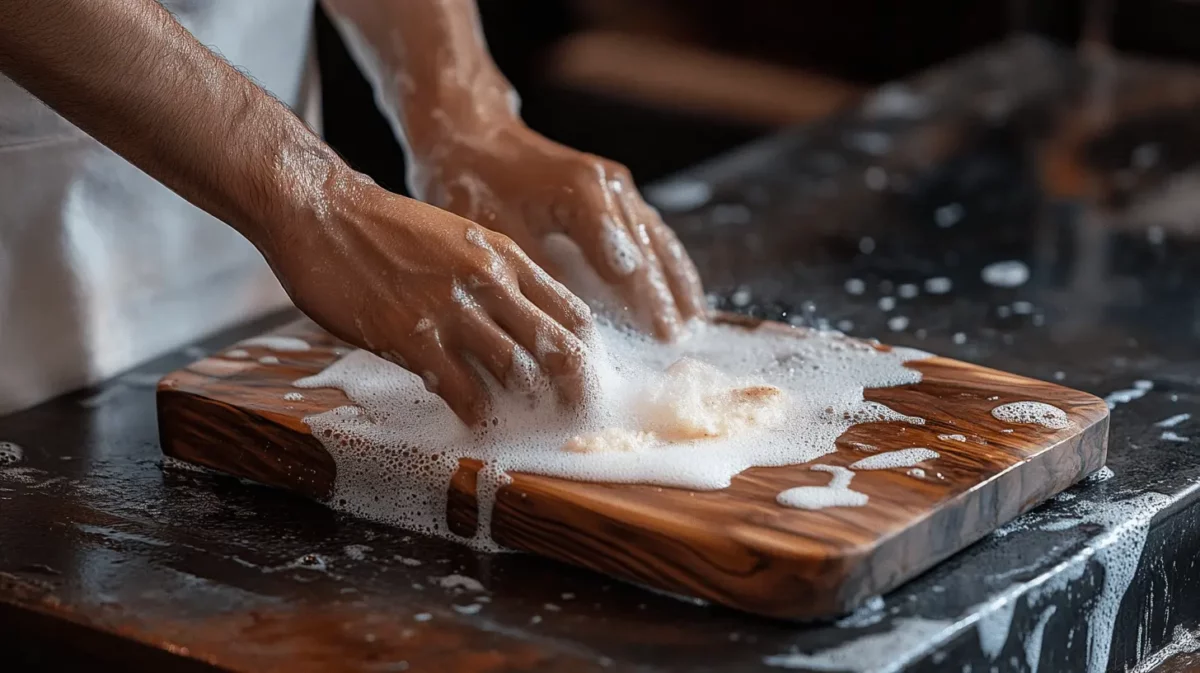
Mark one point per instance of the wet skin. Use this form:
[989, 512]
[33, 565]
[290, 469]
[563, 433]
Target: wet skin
[450, 300]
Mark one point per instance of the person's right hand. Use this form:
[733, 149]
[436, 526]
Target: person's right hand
[431, 292]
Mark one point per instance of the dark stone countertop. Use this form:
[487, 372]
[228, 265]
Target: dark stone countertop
[1022, 154]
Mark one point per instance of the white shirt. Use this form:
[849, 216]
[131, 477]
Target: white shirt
[102, 267]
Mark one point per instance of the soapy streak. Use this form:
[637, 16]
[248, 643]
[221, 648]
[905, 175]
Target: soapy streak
[397, 448]
[891, 459]
[836, 494]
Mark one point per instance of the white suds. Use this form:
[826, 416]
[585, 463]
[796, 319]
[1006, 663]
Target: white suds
[953, 438]
[870, 653]
[268, 360]
[1032, 413]
[620, 252]
[1172, 421]
[871, 612]
[1033, 641]
[358, 552]
[237, 354]
[1118, 550]
[836, 494]
[938, 285]
[1010, 273]
[995, 622]
[10, 453]
[916, 472]
[469, 609]
[1172, 437]
[282, 344]
[293, 397]
[891, 459]
[397, 448]
[1184, 641]
[459, 582]
[422, 617]
[1138, 391]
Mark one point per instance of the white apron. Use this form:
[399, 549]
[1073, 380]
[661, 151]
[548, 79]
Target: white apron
[102, 267]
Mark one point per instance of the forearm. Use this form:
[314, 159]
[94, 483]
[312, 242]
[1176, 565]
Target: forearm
[430, 67]
[128, 74]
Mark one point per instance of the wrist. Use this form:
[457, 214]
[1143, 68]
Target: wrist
[307, 188]
[471, 113]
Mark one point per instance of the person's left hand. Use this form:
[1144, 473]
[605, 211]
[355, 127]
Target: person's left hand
[516, 182]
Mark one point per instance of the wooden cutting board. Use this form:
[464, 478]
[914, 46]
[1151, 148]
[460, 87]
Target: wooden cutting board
[735, 546]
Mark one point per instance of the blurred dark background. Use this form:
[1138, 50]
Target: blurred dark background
[661, 85]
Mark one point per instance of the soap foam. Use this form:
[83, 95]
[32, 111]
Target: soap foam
[1032, 413]
[1172, 421]
[1138, 391]
[397, 446]
[891, 459]
[872, 653]
[461, 582]
[1009, 273]
[1033, 642]
[274, 342]
[10, 453]
[836, 494]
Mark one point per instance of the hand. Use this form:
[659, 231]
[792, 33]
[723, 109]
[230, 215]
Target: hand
[515, 181]
[431, 292]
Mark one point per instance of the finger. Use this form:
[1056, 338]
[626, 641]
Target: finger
[552, 297]
[449, 377]
[557, 352]
[484, 341]
[651, 295]
[681, 273]
[594, 221]
[653, 289]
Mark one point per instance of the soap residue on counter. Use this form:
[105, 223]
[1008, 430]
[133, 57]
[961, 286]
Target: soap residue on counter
[1138, 391]
[273, 342]
[10, 453]
[397, 446]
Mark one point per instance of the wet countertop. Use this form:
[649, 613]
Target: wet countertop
[1019, 208]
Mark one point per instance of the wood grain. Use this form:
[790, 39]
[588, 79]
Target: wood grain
[735, 546]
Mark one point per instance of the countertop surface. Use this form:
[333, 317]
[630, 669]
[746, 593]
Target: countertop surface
[1017, 208]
